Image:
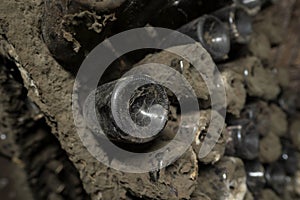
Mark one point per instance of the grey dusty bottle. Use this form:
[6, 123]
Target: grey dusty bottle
[211, 33]
[133, 109]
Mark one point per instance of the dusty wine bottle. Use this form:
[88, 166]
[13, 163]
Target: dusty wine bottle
[226, 178]
[289, 157]
[266, 3]
[255, 176]
[238, 21]
[176, 13]
[244, 140]
[276, 177]
[211, 33]
[252, 6]
[136, 13]
[133, 109]
[100, 6]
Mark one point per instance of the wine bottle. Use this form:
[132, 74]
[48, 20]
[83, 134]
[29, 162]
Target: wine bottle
[133, 109]
[211, 33]
[238, 21]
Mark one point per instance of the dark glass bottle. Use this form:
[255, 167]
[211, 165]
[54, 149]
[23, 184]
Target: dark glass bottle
[176, 13]
[266, 3]
[136, 13]
[238, 21]
[252, 6]
[289, 158]
[211, 33]
[133, 109]
[276, 177]
[255, 176]
[179, 12]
